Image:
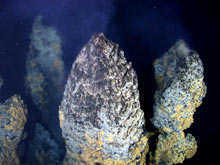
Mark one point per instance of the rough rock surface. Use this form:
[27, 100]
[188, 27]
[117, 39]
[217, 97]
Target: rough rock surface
[179, 75]
[173, 148]
[43, 148]
[12, 120]
[100, 113]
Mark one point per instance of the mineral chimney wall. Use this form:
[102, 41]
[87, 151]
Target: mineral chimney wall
[100, 113]
[179, 75]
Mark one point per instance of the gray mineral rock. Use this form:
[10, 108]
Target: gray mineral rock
[12, 120]
[100, 113]
[179, 76]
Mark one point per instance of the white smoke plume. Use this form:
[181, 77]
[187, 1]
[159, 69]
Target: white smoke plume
[45, 72]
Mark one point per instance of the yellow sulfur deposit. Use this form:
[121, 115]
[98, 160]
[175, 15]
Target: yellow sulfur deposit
[12, 120]
[179, 76]
[93, 153]
[173, 148]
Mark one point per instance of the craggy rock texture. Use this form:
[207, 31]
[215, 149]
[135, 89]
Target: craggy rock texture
[173, 148]
[43, 149]
[179, 75]
[1, 81]
[45, 73]
[12, 120]
[100, 113]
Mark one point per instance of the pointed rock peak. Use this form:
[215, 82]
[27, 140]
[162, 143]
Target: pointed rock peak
[101, 106]
[99, 47]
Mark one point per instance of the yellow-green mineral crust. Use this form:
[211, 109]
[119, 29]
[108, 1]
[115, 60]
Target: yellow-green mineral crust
[179, 75]
[100, 114]
[173, 148]
[12, 120]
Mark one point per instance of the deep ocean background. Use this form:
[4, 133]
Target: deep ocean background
[144, 29]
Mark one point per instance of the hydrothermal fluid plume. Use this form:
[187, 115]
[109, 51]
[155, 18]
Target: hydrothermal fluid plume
[179, 76]
[45, 72]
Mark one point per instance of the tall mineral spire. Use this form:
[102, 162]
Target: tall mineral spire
[100, 113]
[179, 75]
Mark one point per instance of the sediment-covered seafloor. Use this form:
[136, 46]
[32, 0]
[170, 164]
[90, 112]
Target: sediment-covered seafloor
[100, 113]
